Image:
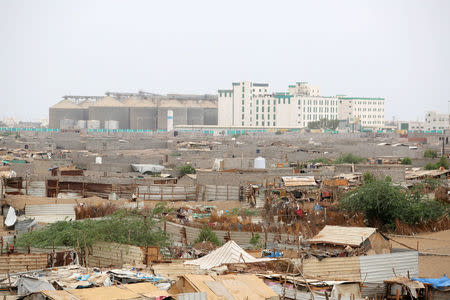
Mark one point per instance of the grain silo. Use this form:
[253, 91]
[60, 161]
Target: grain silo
[64, 110]
[143, 113]
[179, 109]
[109, 108]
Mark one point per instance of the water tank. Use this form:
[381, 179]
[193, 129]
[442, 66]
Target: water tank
[81, 124]
[93, 124]
[111, 124]
[260, 163]
[66, 123]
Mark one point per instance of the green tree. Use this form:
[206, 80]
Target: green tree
[406, 161]
[207, 235]
[187, 169]
[135, 227]
[349, 158]
[383, 203]
[256, 241]
[429, 153]
[368, 177]
[443, 162]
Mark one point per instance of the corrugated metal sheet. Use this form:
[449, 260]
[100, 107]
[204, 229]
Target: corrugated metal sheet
[164, 192]
[192, 296]
[36, 188]
[298, 181]
[335, 268]
[113, 254]
[376, 268]
[340, 235]
[220, 193]
[49, 213]
[294, 294]
[22, 262]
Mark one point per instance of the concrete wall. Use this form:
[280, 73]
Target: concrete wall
[396, 172]
[195, 116]
[121, 114]
[210, 116]
[144, 118]
[58, 114]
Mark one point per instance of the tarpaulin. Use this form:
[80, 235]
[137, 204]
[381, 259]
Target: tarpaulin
[27, 286]
[438, 283]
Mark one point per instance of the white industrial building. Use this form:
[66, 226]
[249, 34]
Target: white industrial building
[253, 105]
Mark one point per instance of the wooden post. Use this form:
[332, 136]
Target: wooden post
[397, 296]
[417, 245]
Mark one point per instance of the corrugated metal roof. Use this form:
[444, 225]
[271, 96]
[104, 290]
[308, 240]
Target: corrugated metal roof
[299, 181]
[109, 102]
[340, 235]
[229, 253]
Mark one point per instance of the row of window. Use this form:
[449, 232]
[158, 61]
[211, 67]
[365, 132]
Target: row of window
[320, 109]
[370, 116]
[370, 109]
[369, 102]
[316, 117]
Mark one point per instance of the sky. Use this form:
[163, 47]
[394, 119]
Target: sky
[399, 50]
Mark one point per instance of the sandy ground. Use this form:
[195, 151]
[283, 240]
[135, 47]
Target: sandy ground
[429, 243]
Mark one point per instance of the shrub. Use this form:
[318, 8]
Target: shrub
[278, 132]
[321, 160]
[349, 159]
[368, 177]
[383, 203]
[443, 162]
[207, 235]
[175, 154]
[429, 153]
[187, 169]
[256, 241]
[431, 166]
[406, 161]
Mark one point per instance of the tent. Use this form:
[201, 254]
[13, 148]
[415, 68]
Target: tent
[230, 253]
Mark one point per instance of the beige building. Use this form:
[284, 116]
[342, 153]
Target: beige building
[253, 105]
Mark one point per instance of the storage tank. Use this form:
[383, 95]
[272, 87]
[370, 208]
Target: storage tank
[111, 124]
[66, 123]
[93, 124]
[81, 124]
[260, 163]
[169, 120]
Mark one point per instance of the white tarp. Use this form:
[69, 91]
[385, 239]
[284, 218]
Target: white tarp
[11, 217]
[143, 168]
[28, 286]
[230, 253]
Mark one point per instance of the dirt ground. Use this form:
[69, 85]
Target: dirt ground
[429, 243]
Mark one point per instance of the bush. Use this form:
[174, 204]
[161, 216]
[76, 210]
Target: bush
[256, 241]
[139, 228]
[320, 160]
[383, 203]
[278, 132]
[368, 177]
[207, 235]
[406, 161]
[349, 159]
[187, 169]
[431, 166]
[443, 162]
[175, 154]
[429, 153]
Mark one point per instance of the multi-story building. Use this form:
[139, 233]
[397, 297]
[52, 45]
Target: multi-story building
[253, 105]
[369, 112]
[436, 121]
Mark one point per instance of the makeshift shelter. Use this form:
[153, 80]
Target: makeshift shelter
[228, 287]
[230, 253]
[363, 238]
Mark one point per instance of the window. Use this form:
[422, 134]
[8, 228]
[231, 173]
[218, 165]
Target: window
[262, 123]
[243, 116]
[263, 102]
[242, 102]
[268, 109]
[274, 116]
[273, 123]
[243, 89]
[220, 94]
[257, 109]
[268, 117]
[279, 101]
[284, 100]
[257, 118]
[262, 117]
[242, 109]
[289, 100]
[257, 101]
[274, 109]
[268, 102]
[242, 123]
[256, 123]
[299, 102]
[262, 109]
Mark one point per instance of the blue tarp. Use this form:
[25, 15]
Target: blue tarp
[438, 283]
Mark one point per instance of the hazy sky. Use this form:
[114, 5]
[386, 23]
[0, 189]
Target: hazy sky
[399, 50]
